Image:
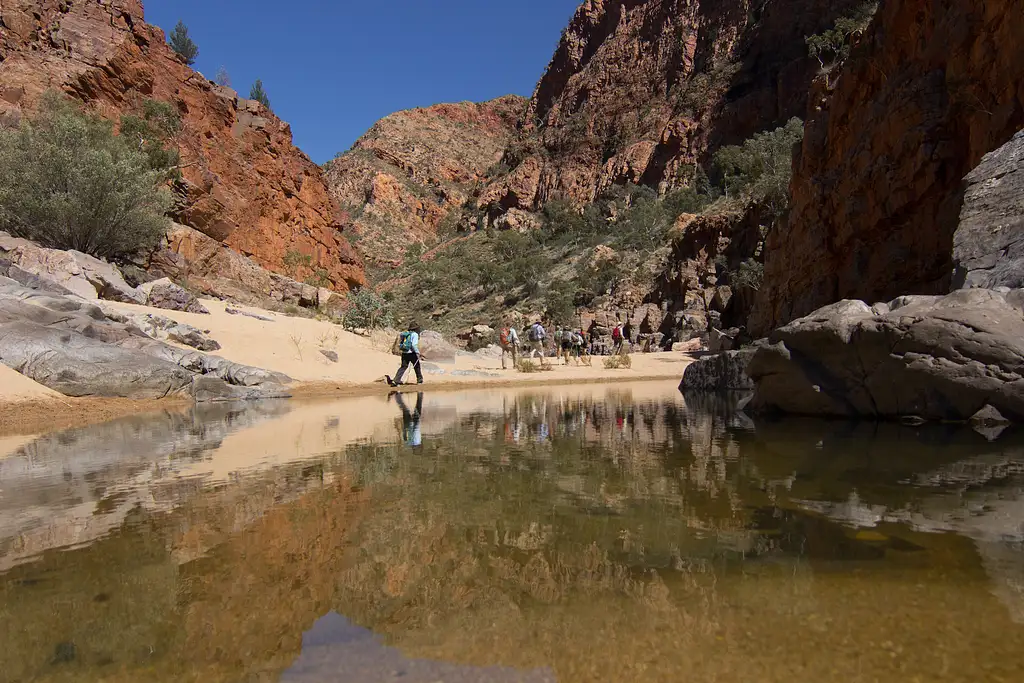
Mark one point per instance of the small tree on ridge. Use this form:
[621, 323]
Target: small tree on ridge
[259, 94]
[182, 44]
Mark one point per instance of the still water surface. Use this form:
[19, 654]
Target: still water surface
[595, 533]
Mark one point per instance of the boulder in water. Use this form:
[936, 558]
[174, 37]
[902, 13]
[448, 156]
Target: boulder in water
[933, 357]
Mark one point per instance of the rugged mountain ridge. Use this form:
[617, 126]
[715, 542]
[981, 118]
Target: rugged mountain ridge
[404, 178]
[878, 184]
[640, 91]
[245, 184]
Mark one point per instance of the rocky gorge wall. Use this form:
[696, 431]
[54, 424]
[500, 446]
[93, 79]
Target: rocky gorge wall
[405, 176]
[878, 184]
[245, 184]
[641, 90]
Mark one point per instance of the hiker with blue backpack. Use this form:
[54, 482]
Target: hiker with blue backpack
[408, 344]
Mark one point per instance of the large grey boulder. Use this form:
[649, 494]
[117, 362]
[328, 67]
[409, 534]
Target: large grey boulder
[72, 346]
[934, 357]
[84, 275]
[165, 329]
[725, 371]
[165, 294]
[435, 347]
[988, 245]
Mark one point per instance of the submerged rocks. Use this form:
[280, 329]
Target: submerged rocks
[933, 357]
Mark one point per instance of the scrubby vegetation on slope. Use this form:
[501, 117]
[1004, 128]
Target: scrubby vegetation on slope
[585, 258]
[68, 182]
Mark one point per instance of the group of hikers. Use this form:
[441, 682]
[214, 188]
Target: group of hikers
[567, 343]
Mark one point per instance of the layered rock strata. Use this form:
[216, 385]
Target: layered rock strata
[641, 90]
[416, 169]
[988, 245]
[932, 86]
[244, 183]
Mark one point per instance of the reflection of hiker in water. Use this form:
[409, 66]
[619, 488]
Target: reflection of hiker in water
[411, 434]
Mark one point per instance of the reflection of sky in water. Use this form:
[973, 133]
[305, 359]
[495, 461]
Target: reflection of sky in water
[335, 649]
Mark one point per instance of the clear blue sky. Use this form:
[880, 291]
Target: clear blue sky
[332, 68]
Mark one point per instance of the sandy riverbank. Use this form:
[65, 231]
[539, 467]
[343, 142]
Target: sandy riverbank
[293, 346]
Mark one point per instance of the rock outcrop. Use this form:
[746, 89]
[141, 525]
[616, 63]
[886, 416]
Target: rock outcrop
[187, 255]
[413, 169]
[209, 267]
[165, 294]
[932, 86]
[932, 357]
[70, 345]
[640, 90]
[725, 371]
[988, 245]
[73, 271]
[244, 185]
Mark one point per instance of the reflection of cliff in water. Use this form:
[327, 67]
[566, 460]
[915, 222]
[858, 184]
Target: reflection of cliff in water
[597, 533]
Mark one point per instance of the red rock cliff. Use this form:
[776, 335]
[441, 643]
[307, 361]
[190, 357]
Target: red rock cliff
[932, 86]
[413, 168]
[639, 90]
[248, 186]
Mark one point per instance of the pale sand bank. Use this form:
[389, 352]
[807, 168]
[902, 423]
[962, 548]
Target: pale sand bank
[15, 387]
[293, 346]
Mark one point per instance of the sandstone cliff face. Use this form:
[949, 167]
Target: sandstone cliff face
[404, 177]
[877, 188]
[640, 90]
[246, 184]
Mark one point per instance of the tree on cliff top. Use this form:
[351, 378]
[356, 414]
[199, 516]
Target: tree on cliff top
[223, 78]
[183, 45]
[66, 181]
[259, 94]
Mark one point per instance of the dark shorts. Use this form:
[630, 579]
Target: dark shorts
[566, 346]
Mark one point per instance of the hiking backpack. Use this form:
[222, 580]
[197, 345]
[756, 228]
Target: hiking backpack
[405, 342]
[535, 333]
[505, 337]
[617, 334]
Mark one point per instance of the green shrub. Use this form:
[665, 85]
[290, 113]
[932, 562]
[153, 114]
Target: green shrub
[559, 304]
[760, 168]
[749, 274]
[67, 182]
[621, 361]
[684, 200]
[644, 226]
[294, 260]
[833, 45]
[152, 131]
[319, 278]
[529, 367]
[256, 92]
[182, 44]
[368, 310]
